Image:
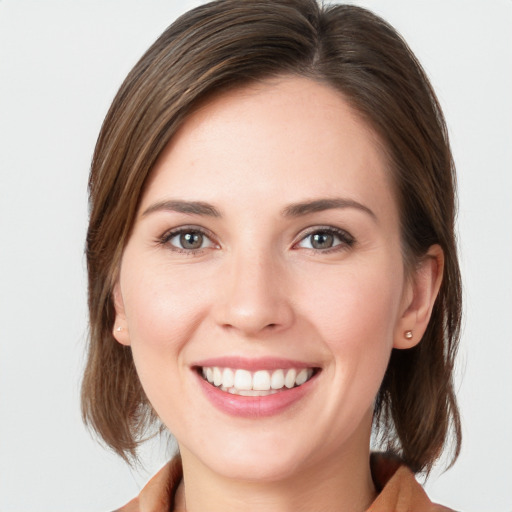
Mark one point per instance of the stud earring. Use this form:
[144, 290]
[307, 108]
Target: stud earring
[408, 335]
[119, 329]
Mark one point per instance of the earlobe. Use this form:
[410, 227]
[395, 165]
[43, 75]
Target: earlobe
[120, 330]
[420, 297]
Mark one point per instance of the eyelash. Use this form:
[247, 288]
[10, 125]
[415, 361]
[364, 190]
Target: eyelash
[169, 235]
[346, 240]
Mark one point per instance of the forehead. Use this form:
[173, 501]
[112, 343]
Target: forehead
[292, 137]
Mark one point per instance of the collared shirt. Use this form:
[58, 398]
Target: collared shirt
[397, 487]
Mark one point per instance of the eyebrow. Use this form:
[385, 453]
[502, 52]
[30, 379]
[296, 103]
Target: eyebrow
[191, 207]
[319, 205]
[292, 210]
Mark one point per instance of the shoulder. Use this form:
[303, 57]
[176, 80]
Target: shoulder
[398, 488]
[132, 506]
[396, 484]
[158, 494]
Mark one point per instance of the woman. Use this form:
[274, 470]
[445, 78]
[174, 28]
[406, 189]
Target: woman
[272, 264]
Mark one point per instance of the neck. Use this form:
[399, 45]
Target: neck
[341, 481]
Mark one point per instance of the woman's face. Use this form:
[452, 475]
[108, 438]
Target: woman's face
[266, 252]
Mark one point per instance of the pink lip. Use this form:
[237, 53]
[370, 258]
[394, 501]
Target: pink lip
[254, 406]
[253, 364]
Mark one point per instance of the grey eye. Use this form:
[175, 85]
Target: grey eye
[326, 238]
[190, 240]
[322, 240]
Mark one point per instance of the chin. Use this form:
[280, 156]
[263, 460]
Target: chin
[269, 456]
[262, 466]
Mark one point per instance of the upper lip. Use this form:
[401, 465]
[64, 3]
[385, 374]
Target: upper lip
[253, 364]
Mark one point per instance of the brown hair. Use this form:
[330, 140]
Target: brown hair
[229, 43]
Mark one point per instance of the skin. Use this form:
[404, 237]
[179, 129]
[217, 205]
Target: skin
[258, 288]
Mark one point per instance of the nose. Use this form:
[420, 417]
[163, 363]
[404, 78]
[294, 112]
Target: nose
[253, 297]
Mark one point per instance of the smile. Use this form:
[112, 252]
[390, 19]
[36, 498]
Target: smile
[258, 383]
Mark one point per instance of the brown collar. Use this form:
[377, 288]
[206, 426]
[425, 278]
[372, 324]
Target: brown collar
[398, 489]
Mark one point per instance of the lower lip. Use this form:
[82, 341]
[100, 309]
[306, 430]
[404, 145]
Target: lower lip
[255, 406]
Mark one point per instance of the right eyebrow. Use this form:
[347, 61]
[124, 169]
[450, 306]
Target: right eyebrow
[190, 207]
[319, 205]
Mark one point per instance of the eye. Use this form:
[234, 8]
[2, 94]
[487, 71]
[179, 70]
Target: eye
[324, 239]
[187, 240]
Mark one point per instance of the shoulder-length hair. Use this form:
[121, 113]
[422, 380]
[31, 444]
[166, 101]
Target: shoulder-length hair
[226, 44]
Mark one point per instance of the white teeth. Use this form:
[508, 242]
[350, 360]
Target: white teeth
[243, 380]
[217, 376]
[289, 380]
[259, 383]
[277, 381]
[302, 377]
[254, 392]
[228, 378]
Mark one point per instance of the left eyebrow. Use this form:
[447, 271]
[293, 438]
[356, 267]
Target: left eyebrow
[190, 207]
[320, 205]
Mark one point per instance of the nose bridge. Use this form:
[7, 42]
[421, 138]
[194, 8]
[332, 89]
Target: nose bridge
[253, 292]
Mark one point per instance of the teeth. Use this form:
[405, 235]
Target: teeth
[243, 380]
[217, 376]
[289, 380]
[277, 380]
[302, 377]
[254, 392]
[259, 383]
[228, 378]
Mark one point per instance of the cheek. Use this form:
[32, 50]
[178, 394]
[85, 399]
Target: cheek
[162, 306]
[357, 305]
[163, 310]
[354, 313]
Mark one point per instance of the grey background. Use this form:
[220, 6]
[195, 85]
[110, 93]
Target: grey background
[61, 63]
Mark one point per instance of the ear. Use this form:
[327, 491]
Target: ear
[120, 329]
[419, 297]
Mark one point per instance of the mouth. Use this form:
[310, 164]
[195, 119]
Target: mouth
[242, 382]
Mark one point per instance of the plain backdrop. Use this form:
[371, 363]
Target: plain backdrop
[61, 63]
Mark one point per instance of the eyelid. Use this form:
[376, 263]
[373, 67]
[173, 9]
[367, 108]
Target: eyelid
[171, 233]
[347, 240]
